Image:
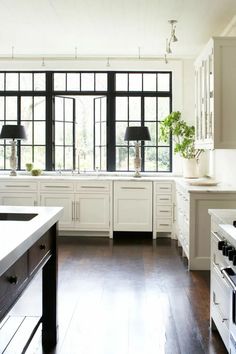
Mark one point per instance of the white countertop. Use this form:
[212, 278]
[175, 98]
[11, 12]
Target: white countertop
[225, 218]
[18, 236]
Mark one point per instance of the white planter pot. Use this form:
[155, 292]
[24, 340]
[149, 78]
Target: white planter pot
[190, 168]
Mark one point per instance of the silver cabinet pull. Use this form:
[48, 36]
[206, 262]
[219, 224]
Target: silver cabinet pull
[133, 188]
[164, 187]
[173, 212]
[77, 211]
[57, 186]
[91, 187]
[16, 186]
[73, 211]
[164, 211]
[164, 224]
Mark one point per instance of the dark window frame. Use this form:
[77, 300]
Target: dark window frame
[111, 95]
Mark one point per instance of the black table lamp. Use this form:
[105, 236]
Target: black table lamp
[13, 132]
[137, 134]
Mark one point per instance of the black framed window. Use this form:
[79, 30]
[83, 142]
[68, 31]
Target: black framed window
[45, 103]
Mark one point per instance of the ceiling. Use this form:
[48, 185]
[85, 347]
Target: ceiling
[110, 27]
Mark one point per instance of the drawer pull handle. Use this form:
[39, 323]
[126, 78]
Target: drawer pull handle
[164, 224]
[16, 186]
[164, 198]
[90, 187]
[164, 188]
[42, 247]
[13, 279]
[57, 186]
[133, 188]
[164, 211]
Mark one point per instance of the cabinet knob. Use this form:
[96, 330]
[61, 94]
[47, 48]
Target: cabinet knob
[234, 260]
[13, 279]
[42, 247]
[227, 249]
[231, 253]
[221, 244]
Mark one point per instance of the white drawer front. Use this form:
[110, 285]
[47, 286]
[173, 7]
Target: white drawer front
[164, 211]
[56, 186]
[8, 186]
[164, 225]
[163, 199]
[164, 187]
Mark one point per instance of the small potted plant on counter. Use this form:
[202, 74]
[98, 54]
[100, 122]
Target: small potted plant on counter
[184, 138]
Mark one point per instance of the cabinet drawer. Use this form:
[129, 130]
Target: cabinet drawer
[12, 280]
[164, 211]
[39, 251]
[164, 225]
[56, 186]
[162, 199]
[8, 186]
[164, 187]
[92, 186]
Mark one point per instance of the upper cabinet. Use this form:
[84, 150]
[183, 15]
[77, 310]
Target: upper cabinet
[215, 92]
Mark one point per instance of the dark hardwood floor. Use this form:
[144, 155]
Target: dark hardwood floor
[126, 297]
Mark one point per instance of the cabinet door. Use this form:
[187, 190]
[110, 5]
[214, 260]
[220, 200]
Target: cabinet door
[61, 200]
[21, 199]
[92, 211]
[132, 206]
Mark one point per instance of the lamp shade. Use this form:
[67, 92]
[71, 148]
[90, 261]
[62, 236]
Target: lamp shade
[137, 133]
[13, 132]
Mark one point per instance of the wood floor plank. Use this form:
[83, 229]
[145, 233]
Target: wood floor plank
[129, 297]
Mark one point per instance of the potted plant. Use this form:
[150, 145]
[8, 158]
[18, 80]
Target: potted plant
[184, 137]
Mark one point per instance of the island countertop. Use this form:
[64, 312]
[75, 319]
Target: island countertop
[18, 236]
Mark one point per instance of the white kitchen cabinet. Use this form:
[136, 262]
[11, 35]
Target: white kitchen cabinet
[215, 86]
[21, 193]
[86, 204]
[163, 208]
[193, 221]
[132, 206]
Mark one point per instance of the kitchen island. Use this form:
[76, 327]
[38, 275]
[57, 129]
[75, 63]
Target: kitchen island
[28, 244]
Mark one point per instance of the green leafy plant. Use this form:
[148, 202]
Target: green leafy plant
[182, 133]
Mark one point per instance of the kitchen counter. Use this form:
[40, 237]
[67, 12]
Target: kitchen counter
[29, 244]
[18, 236]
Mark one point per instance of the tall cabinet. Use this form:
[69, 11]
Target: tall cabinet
[215, 87]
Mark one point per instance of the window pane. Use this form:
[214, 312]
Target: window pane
[26, 156]
[73, 82]
[121, 108]
[2, 105]
[104, 134]
[39, 133]
[59, 82]
[11, 108]
[152, 130]
[121, 82]
[135, 82]
[59, 161]
[149, 82]
[59, 108]
[12, 82]
[26, 108]
[120, 133]
[103, 159]
[104, 109]
[68, 158]
[163, 82]
[163, 159]
[87, 82]
[39, 108]
[39, 157]
[160, 141]
[150, 108]
[28, 130]
[101, 82]
[121, 159]
[68, 134]
[26, 82]
[97, 157]
[97, 134]
[150, 159]
[68, 109]
[97, 103]
[1, 157]
[1, 82]
[135, 108]
[163, 107]
[59, 139]
[39, 82]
